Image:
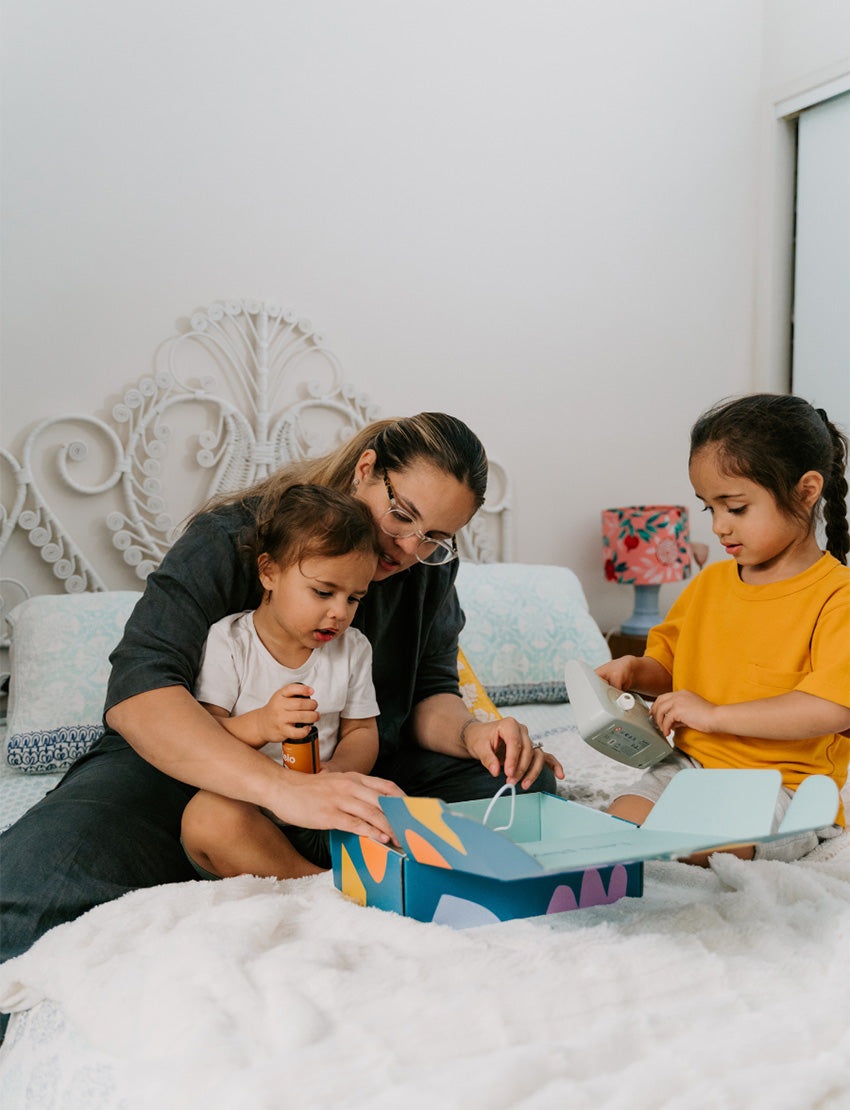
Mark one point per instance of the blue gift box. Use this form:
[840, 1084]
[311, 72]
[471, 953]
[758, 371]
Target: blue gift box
[546, 854]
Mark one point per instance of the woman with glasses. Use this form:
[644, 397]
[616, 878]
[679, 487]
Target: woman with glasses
[113, 823]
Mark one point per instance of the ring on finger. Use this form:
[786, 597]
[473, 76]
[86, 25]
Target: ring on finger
[537, 747]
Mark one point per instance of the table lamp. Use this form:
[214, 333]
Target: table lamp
[645, 546]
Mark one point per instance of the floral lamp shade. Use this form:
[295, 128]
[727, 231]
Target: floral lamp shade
[646, 546]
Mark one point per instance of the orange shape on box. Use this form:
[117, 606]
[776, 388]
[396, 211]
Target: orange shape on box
[375, 858]
[423, 852]
[428, 812]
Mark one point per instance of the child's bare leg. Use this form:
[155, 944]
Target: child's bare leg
[229, 837]
[631, 807]
[700, 859]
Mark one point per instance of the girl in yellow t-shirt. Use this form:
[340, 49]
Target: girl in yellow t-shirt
[751, 667]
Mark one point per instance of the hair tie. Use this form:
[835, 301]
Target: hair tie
[822, 414]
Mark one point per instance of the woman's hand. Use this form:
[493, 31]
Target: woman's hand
[332, 800]
[443, 724]
[683, 707]
[506, 745]
[172, 731]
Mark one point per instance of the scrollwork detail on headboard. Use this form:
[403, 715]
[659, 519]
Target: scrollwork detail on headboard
[31, 511]
[257, 349]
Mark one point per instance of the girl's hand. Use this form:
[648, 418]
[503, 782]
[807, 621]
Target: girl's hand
[288, 714]
[619, 673]
[506, 744]
[636, 672]
[682, 707]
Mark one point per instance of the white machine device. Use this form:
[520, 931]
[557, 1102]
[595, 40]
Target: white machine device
[614, 722]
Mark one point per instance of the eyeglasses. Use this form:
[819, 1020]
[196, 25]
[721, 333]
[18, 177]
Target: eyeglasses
[399, 524]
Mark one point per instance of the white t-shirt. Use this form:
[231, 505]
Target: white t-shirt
[239, 674]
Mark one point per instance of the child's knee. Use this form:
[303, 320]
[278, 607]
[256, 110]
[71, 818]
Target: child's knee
[631, 807]
[208, 818]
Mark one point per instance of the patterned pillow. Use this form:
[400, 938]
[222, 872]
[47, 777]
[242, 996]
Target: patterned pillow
[523, 622]
[473, 693]
[60, 666]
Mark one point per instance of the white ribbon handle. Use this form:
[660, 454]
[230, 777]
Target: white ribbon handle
[508, 786]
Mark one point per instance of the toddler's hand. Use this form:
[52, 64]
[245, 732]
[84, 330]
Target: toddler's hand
[288, 713]
[683, 707]
[619, 673]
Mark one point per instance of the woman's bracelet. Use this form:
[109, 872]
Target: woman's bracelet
[463, 728]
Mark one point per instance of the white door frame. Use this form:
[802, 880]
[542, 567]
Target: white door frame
[774, 290]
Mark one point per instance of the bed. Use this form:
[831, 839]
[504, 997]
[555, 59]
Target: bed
[720, 988]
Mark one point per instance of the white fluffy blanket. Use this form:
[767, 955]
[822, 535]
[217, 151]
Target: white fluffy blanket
[718, 988]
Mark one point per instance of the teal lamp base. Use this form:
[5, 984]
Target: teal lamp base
[646, 613]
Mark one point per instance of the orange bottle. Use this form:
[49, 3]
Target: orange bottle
[303, 754]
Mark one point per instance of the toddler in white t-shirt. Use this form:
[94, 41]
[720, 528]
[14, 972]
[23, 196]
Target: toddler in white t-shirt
[270, 673]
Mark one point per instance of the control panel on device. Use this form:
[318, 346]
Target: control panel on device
[614, 722]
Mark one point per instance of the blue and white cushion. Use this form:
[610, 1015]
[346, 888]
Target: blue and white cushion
[523, 622]
[60, 666]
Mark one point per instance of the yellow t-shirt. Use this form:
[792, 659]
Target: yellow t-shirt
[729, 641]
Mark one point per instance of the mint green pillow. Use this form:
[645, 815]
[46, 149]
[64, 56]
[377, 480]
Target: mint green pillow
[523, 622]
[59, 662]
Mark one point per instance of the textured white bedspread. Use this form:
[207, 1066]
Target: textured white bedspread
[718, 988]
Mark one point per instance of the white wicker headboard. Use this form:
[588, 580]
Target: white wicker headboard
[244, 387]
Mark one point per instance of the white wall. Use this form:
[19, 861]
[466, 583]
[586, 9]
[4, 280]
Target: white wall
[806, 43]
[542, 216]
[806, 47]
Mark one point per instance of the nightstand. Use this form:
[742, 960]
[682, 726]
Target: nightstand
[623, 644]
